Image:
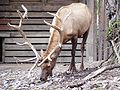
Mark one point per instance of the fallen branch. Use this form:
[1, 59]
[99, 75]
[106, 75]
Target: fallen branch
[94, 74]
[101, 64]
[115, 50]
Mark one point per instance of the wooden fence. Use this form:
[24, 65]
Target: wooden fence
[38, 32]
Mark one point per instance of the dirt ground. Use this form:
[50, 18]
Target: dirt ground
[14, 77]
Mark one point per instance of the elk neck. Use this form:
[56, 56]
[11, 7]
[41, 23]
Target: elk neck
[53, 42]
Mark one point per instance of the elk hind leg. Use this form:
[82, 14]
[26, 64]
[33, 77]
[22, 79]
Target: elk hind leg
[85, 35]
[72, 67]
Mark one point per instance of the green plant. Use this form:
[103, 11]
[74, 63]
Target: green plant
[113, 30]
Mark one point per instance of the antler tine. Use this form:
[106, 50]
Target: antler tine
[25, 9]
[49, 56]
[18, 27]
[58, 29]
[53, 26]
[55, 15]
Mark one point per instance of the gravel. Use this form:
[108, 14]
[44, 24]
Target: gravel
[14, 77]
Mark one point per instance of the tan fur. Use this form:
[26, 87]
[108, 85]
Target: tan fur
[76, 20]
[76, 24]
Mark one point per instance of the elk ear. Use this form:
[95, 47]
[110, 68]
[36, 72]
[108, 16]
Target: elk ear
[41, 53]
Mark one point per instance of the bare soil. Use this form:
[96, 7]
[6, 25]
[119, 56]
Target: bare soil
[14, 77]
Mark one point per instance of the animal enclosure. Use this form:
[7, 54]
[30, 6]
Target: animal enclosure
[38, 32]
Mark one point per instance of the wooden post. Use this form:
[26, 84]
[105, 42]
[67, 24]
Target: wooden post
[89, 44]
[101, 31]
[95, 57]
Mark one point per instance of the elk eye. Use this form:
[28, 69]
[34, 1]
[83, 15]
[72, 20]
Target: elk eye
[46, 62]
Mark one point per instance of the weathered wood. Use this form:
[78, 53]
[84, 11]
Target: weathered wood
[30, 53]
[25, 0]
[3, 50]
[101, 31]
[10, 47]
[59, 59]
[31, 21]
[4, 21]
[34, 27]
[95, 58]
[4, 34]
[4, 27]
[32, 40]
[30, 6]
[94, 74]
[90, 39]
[31, 34]
[36, 30]
[32, 15]
[4, 2]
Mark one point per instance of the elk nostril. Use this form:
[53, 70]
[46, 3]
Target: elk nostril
[42, 79]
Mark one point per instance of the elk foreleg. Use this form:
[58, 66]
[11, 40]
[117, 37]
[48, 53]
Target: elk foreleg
[85, 35]
[72, 67]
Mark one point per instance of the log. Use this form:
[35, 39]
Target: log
[94, 74]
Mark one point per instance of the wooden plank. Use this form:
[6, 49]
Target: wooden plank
[30, 6]
[4, 14]
[3, 2]
[4, 34]
[37, 46]
[30, 53]
[34, 27]
[4, 27]
[59, 59]
[32, 40]
[31, 34]
[61, 2]
[25, 0]
[14, 47]
[31, 21]
[4, 21]
[32, 14]
[68, 59]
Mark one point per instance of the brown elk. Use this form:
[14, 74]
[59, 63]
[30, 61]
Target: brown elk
[69, 23]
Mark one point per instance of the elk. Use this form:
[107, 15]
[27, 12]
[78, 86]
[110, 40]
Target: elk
[69, 23]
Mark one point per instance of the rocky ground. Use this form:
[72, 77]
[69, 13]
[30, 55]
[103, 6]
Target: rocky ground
[14, 77]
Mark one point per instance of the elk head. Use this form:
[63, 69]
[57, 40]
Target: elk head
[47, 64]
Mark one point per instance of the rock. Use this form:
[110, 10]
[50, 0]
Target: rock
[75, 88]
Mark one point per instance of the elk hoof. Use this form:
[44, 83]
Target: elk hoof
[81, 67]
[71, 70]
[43, 79]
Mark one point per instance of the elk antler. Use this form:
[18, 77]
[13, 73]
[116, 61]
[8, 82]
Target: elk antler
[60, 41]
[55, 15]
[18, 27]
[49, 56]
[60, 30]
